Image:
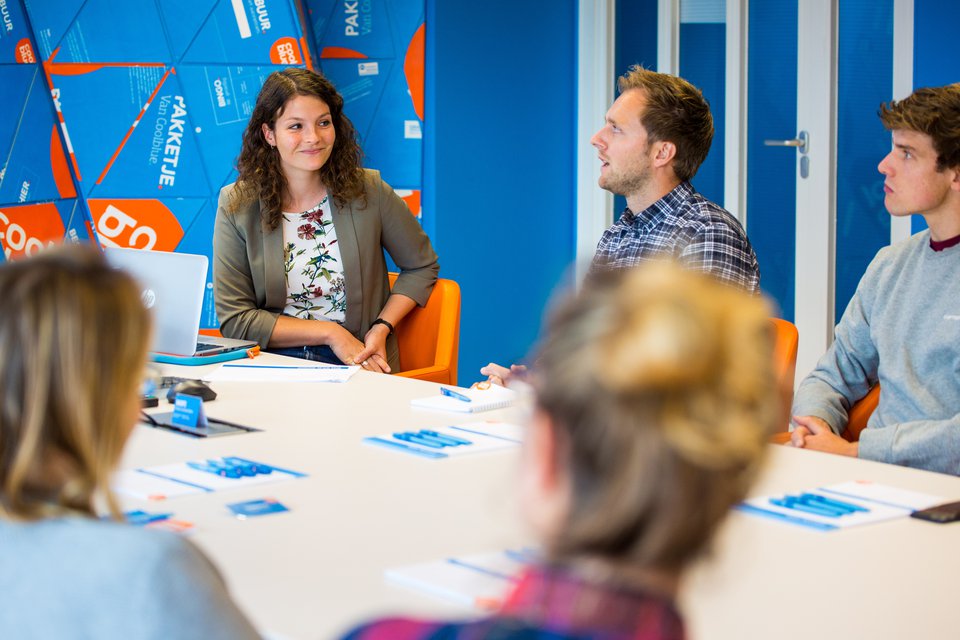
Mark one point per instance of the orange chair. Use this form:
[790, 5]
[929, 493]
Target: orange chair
[785, 344]
[859, 413]
[429, 336]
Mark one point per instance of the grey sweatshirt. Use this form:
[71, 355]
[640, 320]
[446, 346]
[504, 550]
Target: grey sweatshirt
[901, 328]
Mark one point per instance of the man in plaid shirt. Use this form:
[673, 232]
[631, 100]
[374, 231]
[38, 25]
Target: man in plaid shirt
[657, 133]
[656, 136]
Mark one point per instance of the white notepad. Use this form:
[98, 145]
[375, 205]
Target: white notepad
[494, 397]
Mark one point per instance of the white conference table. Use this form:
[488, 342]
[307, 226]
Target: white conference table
[317, 570]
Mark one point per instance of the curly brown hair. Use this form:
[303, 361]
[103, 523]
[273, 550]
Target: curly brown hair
[934, 111]
[676, 112]
[261, 176]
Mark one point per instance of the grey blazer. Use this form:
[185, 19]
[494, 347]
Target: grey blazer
[250, 287]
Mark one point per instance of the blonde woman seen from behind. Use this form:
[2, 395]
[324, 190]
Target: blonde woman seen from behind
[73, 344]
[655, 396]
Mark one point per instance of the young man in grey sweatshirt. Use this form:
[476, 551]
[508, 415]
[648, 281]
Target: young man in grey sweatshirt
[902, 327]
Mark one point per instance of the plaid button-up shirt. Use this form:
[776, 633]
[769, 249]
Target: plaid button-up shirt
[551, 603]
[687, 227]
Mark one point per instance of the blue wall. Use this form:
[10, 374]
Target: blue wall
[865, 80]
[500, 164]
[636, 43]
[771, 171]
[934, 50]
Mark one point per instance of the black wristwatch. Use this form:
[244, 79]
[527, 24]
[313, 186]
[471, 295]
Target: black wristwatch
[384, 323]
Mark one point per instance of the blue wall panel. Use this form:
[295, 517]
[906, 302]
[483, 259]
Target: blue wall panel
[636, 43]
[703, 63]
[772, 108]
[934, 50]
[865, 81]
[500, 164]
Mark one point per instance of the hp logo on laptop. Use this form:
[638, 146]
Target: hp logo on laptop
[149, 298]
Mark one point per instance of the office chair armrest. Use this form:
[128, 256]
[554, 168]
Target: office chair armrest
[435, 373]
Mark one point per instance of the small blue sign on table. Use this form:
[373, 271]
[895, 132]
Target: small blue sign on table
[188, 412]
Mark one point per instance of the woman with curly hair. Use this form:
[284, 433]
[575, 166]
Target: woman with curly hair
[298, 261]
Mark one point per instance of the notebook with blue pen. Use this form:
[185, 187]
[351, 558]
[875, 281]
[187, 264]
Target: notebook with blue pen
[461, 400]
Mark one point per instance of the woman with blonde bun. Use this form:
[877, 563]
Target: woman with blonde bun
[73, 345]
[655, 396]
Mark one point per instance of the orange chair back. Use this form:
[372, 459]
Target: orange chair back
[785, 343]
[859, 413]
[429, 336]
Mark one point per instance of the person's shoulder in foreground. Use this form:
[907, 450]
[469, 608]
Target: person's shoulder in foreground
[60, 575]
[548, 602]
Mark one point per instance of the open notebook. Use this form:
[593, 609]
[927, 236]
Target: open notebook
[494, 397]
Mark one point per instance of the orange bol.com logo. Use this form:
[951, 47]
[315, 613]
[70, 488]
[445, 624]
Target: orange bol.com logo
[137, 224]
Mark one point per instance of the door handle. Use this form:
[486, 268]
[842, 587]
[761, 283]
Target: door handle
[801, 142]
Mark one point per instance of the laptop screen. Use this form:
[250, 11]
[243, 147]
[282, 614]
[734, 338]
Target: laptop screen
[172, 285]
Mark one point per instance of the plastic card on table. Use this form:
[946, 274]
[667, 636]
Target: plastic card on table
[196, 476]
[442, 442]
[480, 581]
[839, 506]
[188, 412]
[281, 373]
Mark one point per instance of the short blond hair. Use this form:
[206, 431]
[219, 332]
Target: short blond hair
[660, 384]
[73, 341]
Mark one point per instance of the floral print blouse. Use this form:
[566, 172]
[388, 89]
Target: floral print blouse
[311, 261]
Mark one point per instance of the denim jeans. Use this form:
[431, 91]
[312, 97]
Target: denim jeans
[317, 353]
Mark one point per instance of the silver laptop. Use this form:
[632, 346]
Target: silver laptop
[173, 287]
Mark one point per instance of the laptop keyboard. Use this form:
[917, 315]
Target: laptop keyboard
[203, 346]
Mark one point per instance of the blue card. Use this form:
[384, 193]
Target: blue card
[141, 518]
[254, 508]
[188, 411]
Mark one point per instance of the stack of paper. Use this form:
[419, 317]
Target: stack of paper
[480, 581]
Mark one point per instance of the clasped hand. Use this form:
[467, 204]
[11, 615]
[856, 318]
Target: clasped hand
[370, 354]
[811, 432]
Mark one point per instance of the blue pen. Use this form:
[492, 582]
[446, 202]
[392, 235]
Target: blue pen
[415, 439]
[439, 439]
[216, 470]
[450, 393]
[227, 470]
[813, 524]
[257, 466]
[444, 436]
[245, 468]
[405, 447]
[139, 517]
[275, 366]
[834, 503]
[789, 503]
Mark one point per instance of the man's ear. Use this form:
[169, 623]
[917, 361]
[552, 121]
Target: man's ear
[955, 182]
[666, 151]
[268, 135]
